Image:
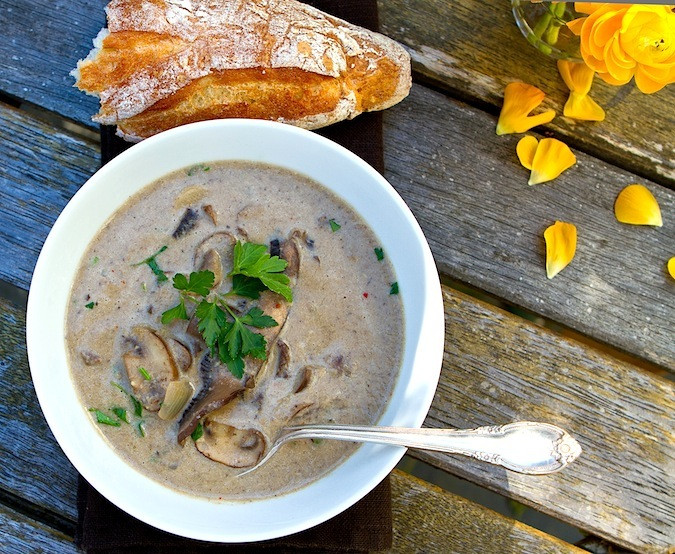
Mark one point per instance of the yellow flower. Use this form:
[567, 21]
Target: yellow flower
[561, 245]
[579, 77]
[622, 41]
[637, 206]
[546, 159]
[519, 100]
[671, 267]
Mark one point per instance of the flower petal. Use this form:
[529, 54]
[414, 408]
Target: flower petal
[671, 267]
[519, 100]
[577, 76]
[586, 7]
[561, 245]
[581, 106]
[637, 206]
[575, 25]
[526, 148]
[550, 160]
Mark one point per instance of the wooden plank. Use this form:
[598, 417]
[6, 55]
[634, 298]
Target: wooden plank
[40, 169]
[500, 368]
[22, 534]
[474, 48]
[429, 519]
[485, 226]
[33, 465]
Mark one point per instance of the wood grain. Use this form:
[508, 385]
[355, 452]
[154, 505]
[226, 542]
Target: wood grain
[485, 226]
[33, 465]
[429, 519]
[496, 369]
[22, 534]
[473, 49]
[499, 368]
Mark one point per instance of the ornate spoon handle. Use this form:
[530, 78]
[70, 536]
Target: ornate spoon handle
[525, 447]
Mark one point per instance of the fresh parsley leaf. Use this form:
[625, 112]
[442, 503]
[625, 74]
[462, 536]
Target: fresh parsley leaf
[257, 318]
[211, 320]
[141, 428]
[120, 413]
[334, 225]
[177, 312]
[138, 407]
[379, 253]
[394, 288]
[199, 282]
[249, 287]
[104, 418]
[151, 262]
[145, 374]
[253, 260]
[89, 306]
[198, 432]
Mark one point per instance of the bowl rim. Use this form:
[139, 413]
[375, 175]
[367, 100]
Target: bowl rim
[90, 453]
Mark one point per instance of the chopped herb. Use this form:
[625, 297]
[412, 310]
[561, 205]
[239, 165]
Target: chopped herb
[104, 418]
[317, 441]
[253, 260]
[334, 225]
[195, 168]
[94, 260]
[151, 262]
[90, 305]
[121, 413]
[198, 432]
[394, 288]
[144, 286]
[141, 428]
[380, 254]
[144, 373]
[138, 407]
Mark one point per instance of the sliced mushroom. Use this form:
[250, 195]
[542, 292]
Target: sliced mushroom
[290, 251]
[149, 352]
[220, 241]
[180, 353]
[186, 223]
[277, 308]
[211, 212]
[219, 387]
[231, 446]
[212, 262]
[308, 375]
[284, 359]
[178, 394]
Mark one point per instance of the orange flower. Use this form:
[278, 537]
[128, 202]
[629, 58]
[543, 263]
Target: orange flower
[622, 41]
[546, 159]
[637, 206]
[579, 77]
[519, 100]
[561, 245]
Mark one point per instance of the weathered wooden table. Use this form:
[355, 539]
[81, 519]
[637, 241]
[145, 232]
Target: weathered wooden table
[591, 350]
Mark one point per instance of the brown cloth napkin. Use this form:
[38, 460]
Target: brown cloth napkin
[366, 526]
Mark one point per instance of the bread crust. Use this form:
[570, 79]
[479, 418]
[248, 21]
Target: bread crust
[164, 63]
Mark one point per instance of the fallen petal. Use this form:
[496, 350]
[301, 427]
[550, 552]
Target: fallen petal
[526, 148]
[637, 206]
[561, 245]
[519, 100]
[577, 76]
[550, 160]
[581, 106]
[671, 267]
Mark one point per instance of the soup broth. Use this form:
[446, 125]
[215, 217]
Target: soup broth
[333, 356]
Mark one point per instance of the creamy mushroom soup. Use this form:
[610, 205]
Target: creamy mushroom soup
[220, 304]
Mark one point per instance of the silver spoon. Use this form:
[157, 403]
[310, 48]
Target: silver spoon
[524, 446]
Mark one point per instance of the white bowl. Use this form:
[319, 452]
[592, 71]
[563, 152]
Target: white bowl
[274, 143]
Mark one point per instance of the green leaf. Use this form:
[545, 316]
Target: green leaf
[138, 407]
[145, 374]
[104, 418]
[211, 320]
[200, 282]
[196, 168]
[120, 413]
[249, 287]
[152, 264]
[379, 253]
[246, 254]
[257, 318]
[278, 282]
[89, 306]
[198, 432]
[236, 367]
[177, 312]
[334, 225]
[141, 428]
[394, 288]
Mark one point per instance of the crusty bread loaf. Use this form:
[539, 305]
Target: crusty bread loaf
[164, 63]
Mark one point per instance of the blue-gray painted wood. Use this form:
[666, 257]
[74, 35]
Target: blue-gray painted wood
[21, 534]
[33, 465]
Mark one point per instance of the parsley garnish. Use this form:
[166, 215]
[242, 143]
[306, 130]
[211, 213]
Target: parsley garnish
[144, 372]
[120, 413]
[104, 418]
[89, 306]
[141, 428]
[198, 432]
[195, 168]
[138, 407]
[223, 330]
[380, 254]
[151, 262]
[334, 225]
[394, 288]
